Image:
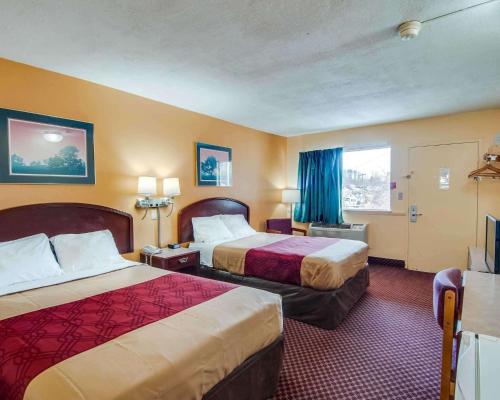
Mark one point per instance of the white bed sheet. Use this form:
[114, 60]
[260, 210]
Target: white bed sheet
[207, 250]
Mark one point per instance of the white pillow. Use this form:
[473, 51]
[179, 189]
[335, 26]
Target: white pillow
[93, 250]
[210, 229]
[237, 225]
[27, 259]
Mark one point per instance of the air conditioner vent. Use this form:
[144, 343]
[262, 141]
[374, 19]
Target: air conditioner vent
[340, 231]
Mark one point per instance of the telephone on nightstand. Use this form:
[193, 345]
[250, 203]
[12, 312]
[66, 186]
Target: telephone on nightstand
[150, 250]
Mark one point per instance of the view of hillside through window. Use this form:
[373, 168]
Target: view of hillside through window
[366, 179]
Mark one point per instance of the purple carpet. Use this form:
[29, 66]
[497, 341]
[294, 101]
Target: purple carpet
[387, 348]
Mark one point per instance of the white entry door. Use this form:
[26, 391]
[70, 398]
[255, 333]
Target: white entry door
[442, 218]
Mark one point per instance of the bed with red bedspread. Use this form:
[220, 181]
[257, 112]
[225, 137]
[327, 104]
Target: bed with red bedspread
[134, 332]
[319, 279]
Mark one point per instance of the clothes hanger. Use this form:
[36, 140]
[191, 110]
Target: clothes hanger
[494, 172]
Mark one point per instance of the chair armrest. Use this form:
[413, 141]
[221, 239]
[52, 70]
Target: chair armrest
[272, 231]
[299, 230]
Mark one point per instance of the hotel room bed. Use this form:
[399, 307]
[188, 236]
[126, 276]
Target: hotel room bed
[319, 279]
[135, 332]
[314, 262]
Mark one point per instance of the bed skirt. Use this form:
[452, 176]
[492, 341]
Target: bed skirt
[255, 379]
[323, 308]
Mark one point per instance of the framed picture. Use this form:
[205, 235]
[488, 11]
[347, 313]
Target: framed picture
[38, 148]
[213, 165]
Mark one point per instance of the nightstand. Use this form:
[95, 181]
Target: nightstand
[181, 259]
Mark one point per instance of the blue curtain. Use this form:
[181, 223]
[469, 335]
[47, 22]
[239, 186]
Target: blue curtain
[320, 184]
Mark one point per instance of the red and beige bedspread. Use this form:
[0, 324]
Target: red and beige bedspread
[137, 333]
[317, 262]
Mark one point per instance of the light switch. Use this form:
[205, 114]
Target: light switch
[497, 139]
[154, 214]
[400, 195]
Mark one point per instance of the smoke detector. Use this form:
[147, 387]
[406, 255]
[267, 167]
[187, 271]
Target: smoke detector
[409, 29]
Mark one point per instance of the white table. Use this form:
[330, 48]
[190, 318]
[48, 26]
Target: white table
[481, 303]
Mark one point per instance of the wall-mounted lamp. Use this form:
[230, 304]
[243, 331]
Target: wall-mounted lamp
[171, 187]
[290, 196]
[146, 187]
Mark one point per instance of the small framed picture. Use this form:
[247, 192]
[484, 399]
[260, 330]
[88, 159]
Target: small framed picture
[38, 149]
[213, 165]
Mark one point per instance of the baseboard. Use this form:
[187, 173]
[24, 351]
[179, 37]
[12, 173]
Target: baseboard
[386, 261]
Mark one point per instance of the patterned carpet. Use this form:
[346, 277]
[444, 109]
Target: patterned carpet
[387, 348]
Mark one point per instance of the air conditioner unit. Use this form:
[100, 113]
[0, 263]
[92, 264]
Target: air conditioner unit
[340, 231]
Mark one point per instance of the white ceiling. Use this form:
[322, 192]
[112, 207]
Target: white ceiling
[282, 66]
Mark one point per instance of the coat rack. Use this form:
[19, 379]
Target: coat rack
[488, 170]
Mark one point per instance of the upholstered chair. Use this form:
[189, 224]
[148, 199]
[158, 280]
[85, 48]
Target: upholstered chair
[282, 225]
[447, 299]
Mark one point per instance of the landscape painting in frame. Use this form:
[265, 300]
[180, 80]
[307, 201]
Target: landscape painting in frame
[213, 165]
[38, 148]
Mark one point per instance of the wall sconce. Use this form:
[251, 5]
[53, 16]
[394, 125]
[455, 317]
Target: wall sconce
[171, 187]
[146, 187]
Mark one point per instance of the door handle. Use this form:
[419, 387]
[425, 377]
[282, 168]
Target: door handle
[414, 214]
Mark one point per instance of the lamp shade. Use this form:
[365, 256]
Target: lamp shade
[290, 196]
[171, 187]
[146, 185]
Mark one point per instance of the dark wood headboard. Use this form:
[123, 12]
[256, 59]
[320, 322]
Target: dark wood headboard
[56, 218]
[207, 208]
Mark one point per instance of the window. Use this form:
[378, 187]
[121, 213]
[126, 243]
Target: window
[366, 179]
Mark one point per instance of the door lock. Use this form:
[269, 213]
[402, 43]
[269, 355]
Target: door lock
[413, 213]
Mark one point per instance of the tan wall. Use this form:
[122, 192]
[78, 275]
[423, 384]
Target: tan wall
[388, 233]
[134, 136]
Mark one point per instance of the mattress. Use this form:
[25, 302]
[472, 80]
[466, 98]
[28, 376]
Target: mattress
[315, 262]
[181, 356]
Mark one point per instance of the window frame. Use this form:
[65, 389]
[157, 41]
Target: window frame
[349, 149]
